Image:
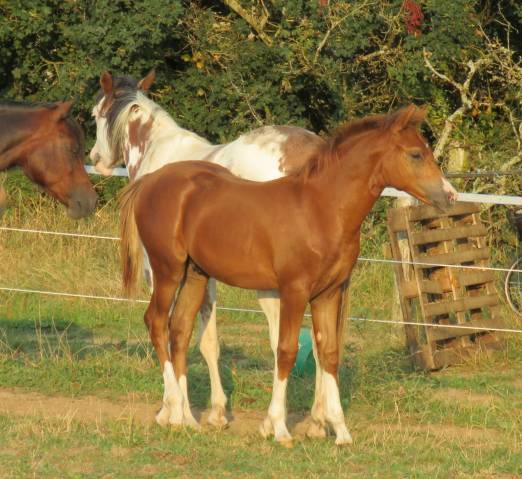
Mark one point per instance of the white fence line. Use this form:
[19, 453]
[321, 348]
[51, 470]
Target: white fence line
[360, 258]
[469, 197]
[509, 200]
[258, 311]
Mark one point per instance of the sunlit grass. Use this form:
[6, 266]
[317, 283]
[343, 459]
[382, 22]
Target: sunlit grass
[465, 421]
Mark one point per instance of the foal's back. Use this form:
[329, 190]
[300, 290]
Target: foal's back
[221, 221]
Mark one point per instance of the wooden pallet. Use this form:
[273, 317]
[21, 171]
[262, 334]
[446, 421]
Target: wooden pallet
[444, 295]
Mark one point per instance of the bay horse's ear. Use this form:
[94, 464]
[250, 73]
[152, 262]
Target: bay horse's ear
[410, 115]
[62, 110]
[146, 82]
[106, 83]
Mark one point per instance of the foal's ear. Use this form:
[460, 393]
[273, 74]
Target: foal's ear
[106, 83]
[62, 109]
[146, 82]
[408, 116]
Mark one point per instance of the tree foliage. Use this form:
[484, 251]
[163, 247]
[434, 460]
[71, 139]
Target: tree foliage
[227, 66]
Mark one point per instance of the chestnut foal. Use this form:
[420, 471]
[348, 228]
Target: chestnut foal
[299, 235]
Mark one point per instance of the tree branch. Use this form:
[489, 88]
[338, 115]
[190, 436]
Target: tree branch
[256, 24]
[465, 97]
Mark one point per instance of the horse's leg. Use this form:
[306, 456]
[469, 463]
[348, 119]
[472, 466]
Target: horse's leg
[270, 304]
[293, 305]
[317, 426]
[147, 270]
[326, 309]
[187, 305]
[209, 347]
[156, 320]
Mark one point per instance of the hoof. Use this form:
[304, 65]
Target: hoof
[217, 419]
[345, 440]
[163, 416]
[184, 420]
[286, 442]
[266, 429]
[316, 430]
[189, 421]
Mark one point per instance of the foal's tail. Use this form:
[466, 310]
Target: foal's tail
[131, 248]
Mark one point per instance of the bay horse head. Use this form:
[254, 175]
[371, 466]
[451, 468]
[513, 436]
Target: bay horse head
[409, 164]
[116, 95]
[48, 145]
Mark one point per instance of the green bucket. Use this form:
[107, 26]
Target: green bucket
[304, 362]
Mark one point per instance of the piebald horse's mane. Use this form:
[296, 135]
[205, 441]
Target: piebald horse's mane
[118, 117]
[327, 154]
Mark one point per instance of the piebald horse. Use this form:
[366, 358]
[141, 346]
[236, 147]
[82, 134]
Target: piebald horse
[131, 128]
[299, 235]
[48, 145]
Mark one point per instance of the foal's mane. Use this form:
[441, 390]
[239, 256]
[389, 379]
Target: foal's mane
[327, 154]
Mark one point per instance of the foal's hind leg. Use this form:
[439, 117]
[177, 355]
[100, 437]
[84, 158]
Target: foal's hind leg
[317, 427]
[187, 305]
[156, 319]
[209, 347]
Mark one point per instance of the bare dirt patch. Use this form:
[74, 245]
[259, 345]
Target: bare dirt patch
[464, 396]
[91, 409]
[130, 408]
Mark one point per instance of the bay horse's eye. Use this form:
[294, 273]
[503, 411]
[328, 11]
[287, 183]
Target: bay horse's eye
[415, 155]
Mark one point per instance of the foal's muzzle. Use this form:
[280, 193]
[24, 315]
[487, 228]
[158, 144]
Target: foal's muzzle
[442, 195]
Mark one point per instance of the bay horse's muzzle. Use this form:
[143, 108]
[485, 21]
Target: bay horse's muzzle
[82, 202]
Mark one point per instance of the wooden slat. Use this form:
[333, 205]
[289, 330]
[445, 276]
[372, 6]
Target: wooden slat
[452, 258]
[425, 212]
[435, 235]
[440, 333]
[409, 288]
[447, 357]
[461, 304]
[397, 219]
[466, 278]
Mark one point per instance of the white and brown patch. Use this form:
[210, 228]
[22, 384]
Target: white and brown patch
[297, 145]
[138, 139]
[298, 148]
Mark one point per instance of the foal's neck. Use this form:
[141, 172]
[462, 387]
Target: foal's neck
[353, 182]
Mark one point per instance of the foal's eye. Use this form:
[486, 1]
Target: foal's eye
[415, 155]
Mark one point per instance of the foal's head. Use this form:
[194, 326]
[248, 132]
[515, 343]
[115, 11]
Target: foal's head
[115, 94]
[53, 158]
[408, 163]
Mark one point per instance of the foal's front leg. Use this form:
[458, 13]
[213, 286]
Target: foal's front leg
[326, 309]
[293, 305]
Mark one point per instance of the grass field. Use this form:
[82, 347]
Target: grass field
[79, 383]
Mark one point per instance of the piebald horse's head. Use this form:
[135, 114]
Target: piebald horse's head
[117, 95]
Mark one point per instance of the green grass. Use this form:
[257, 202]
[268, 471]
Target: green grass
[465, 421]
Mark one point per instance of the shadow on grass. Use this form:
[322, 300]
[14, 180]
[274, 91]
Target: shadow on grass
[32, 336]
[245, 377]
